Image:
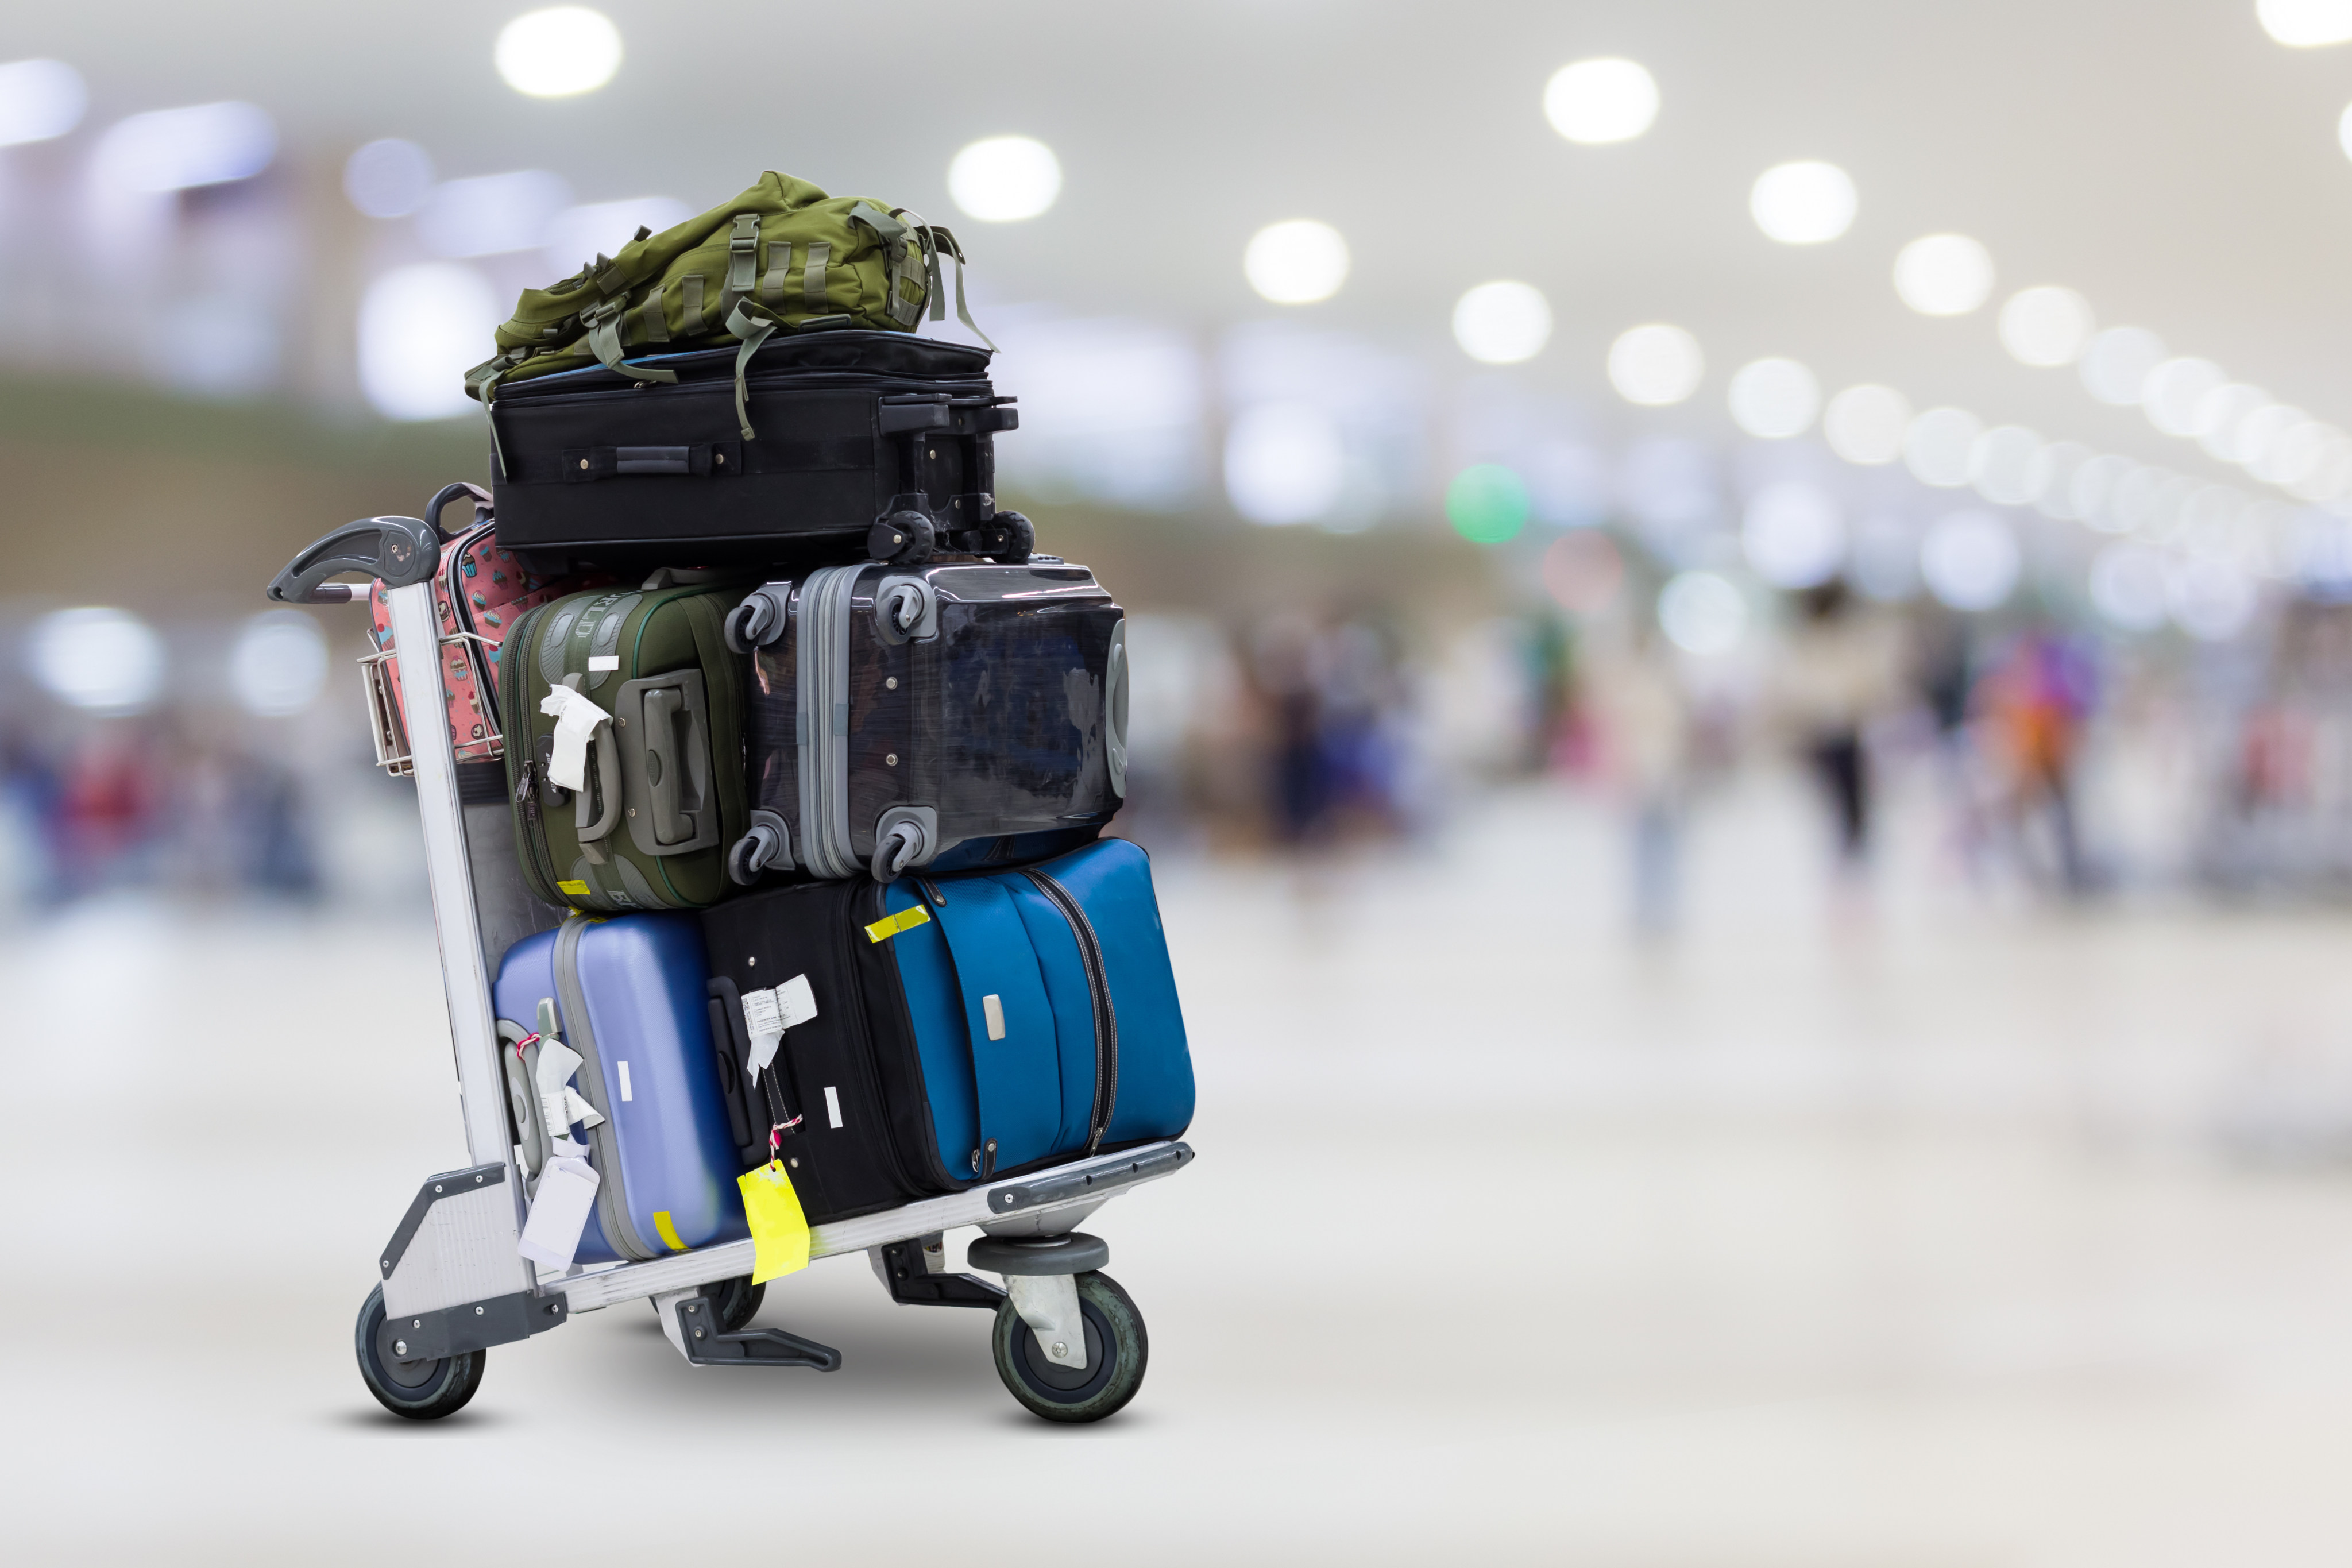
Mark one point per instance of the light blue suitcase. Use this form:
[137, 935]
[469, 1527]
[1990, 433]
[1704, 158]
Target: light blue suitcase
[629, 997]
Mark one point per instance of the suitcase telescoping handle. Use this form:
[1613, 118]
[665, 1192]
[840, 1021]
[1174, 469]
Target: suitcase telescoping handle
[447, 493]
[399, 550]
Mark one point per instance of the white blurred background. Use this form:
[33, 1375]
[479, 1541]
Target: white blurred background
[1743, 628]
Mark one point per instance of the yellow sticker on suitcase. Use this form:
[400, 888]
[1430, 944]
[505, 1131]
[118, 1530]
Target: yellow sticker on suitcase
[780, 1232]
[890, 926]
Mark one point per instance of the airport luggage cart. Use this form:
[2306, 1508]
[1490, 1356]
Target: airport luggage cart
[1068, 1342]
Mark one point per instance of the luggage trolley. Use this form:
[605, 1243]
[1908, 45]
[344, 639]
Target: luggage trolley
[1068, 1342]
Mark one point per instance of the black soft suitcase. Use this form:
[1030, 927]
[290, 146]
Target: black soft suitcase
[862, 443]
[842, 1103]
[949, 716]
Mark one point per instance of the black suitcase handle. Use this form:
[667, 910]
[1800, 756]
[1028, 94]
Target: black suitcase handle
[400, 551]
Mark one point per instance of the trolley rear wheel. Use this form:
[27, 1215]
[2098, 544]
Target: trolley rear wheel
[419, 1389]
[1117, 1352]
[736, 1302]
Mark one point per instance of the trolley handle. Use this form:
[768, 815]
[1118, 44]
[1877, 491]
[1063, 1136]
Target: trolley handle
[399, 550]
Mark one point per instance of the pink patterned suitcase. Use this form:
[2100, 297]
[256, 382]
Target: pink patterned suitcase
[480, 593]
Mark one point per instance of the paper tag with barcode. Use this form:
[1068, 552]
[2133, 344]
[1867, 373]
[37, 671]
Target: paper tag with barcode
[768, 1014]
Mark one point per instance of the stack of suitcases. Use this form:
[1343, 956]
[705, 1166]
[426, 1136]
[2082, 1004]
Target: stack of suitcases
[786, 759]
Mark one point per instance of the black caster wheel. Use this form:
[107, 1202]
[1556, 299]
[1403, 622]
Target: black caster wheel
[420, 1390]
[903, 538]
[737, 1301]
[1117, 1350]
[1020, 539]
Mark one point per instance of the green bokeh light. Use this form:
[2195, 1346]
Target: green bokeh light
[1487, 503]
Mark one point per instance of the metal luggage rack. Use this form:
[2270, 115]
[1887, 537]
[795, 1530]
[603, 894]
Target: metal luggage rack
[1067, 1340]
[393, 752]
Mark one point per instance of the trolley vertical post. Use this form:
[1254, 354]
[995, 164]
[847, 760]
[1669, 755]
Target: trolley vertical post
[464, 977]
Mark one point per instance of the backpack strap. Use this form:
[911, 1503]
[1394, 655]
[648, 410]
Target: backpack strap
[604, 321]
[754, 323]
[742, 260]
[944, 242]
[894, 237]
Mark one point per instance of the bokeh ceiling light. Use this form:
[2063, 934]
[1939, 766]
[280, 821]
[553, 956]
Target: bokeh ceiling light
[279, 664]
[1296, 262]
[1656, 364]
[493, 215]
[2306, 23]
[181, 149]
[1943, 275]
[104, 660]
[1793, 535]
[2175, 392]
[1971, 560]
[421, 328]
[1487, 503]
[1804, 202]
[2001, 465]
[2260, 430]
[39, 100]
[388, 178]
[1502, 322]
[2093, 488]
[1594, 103]
[1284, 463]
[2050, 479]
[1939, 446]
[1005, 179]
[2220, 415]
[2115, 367]
[1701, 612]
[1774, 399]
[1865, 424]
[577, 234]
[2046, 326]
[559, 52]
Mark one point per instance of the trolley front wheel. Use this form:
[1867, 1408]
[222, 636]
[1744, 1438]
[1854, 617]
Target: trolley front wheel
[419, 1389]
[1117, 1350]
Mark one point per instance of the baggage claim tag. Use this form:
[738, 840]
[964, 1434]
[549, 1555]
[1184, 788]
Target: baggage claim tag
[768, 1014]
[780, 1232]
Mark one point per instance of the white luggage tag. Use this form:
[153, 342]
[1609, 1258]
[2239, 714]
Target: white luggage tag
[559, 1211]
[768, 1014]
[576, 719]
[561, 1105]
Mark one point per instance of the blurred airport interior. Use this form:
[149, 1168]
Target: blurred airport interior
[1821, 481]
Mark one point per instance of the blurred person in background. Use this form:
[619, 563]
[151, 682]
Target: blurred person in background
[1642, 711]
[2031, 705]
[1839, 668]
[105, 819]
[1334, 698]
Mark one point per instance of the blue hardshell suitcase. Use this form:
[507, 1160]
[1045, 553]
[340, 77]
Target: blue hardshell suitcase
[1021, 1018]
[629, 996]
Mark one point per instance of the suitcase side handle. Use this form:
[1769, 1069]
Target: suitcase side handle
[402, 551]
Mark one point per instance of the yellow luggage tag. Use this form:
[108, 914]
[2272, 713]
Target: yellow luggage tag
[890, 926]
[780, 1232]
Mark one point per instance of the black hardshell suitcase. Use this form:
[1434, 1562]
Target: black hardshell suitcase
[864, 443]
[947, 716]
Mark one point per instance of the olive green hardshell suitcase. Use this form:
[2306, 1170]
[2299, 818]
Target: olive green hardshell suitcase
[665, 789]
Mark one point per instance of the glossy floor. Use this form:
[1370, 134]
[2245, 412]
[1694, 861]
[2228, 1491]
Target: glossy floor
[1931, 1231]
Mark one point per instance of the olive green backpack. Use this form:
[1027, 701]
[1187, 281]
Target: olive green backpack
[782, 256]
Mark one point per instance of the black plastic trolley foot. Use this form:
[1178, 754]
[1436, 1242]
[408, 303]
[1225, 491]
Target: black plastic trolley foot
[706, 1345]
[906, 1272]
